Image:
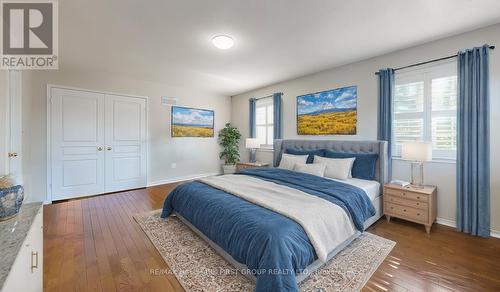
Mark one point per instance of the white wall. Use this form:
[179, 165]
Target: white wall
[3, 120]
[362, 74]
[193, 156]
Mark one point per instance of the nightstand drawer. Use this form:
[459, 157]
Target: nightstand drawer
[407, 194]
[407, 212]
[246, 165]
[404, 202]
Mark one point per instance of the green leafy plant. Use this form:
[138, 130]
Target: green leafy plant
[229, 137]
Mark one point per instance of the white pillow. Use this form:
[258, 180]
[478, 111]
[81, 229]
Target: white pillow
[338, 168]
[288, 160]
[314, 169]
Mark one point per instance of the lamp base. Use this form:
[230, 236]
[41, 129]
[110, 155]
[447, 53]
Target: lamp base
[253, 155]
[417, 174]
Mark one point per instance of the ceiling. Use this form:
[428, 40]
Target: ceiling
[169, 41]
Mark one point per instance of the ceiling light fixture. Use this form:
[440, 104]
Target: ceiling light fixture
[223, 42]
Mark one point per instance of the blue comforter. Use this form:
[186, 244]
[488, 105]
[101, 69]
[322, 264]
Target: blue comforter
[271, 245]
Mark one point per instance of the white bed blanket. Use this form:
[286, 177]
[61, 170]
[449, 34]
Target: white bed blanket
[326, 224]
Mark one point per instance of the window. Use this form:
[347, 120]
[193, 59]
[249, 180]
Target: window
[264, 122]
[425, 109]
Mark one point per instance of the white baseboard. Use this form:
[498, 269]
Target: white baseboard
[180, 178]
[494, 233]
[451, 223]
[446, 222]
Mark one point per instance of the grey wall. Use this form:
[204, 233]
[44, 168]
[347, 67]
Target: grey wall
[192, 156]
[362, 74]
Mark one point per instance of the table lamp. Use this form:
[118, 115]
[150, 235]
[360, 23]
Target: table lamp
[253, 144]
[417, 152]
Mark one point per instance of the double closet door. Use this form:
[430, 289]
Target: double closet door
[98, 143]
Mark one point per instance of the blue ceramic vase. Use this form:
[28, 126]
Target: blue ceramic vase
[11, 200]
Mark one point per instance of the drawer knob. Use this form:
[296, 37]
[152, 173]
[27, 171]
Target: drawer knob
[392, 207]
[404, 210]
[418, 204]
[418, 197]
[418, 214]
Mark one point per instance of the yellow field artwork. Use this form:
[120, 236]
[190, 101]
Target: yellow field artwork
[191, 131]
[330, 112]
[192, 122]
[332, 123]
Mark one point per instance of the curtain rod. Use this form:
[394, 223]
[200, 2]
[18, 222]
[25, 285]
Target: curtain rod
[268, 96]
[430, 61]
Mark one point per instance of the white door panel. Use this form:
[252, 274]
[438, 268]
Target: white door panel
[126, 118]
[79, 172]
[126, 168]
[80, 119]
[125, 142]
[15, 131]
[77, 127]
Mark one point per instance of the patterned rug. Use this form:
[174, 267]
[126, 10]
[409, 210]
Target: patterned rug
[198, 267]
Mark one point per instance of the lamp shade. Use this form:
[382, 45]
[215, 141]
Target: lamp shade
[252, 143]
[416, 151]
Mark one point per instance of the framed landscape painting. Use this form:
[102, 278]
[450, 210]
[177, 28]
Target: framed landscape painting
[331, 112]
[191, 122]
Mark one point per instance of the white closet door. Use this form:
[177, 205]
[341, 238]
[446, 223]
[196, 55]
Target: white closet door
[125, 133]
[77, 127]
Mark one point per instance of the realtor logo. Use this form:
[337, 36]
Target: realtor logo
[29, 35]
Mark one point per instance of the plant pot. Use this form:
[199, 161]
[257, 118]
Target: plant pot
[229, 168]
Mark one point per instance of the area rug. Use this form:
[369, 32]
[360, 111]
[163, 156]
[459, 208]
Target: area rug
[198, 267]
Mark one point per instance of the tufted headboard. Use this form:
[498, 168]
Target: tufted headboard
[378, 147]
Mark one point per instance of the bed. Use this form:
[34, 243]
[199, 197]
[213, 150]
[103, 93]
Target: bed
[267, 238]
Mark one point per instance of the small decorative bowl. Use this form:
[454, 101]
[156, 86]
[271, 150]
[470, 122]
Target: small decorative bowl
[11, 200]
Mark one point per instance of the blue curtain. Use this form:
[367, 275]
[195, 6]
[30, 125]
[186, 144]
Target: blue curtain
[253, 130]
[473, 168]
[278, 118]
[385, 96]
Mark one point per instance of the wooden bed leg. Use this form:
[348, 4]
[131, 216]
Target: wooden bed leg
[388, 218]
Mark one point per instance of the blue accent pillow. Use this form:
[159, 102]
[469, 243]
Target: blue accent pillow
[311, 153]
[364, 165]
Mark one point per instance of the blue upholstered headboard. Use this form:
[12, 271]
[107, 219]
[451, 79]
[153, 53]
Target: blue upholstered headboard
[378, 147]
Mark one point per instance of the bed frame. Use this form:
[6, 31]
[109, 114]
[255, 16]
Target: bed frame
[381, 175]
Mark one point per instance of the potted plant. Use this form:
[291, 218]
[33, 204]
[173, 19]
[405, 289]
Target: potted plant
[229, 138]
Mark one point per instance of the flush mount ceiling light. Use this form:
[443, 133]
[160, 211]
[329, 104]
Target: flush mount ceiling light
[223, 42]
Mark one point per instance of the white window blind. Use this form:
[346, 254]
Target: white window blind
[264, 122]
[425, 109]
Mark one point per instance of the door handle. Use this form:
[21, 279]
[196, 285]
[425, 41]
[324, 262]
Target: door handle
[34, 264]
[109, 148]
[12, 154]
[99, 148]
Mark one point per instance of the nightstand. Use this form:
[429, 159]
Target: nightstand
[245, 165]
[413, 204]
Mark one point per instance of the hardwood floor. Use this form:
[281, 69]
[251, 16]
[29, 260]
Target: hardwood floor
[94, 244]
